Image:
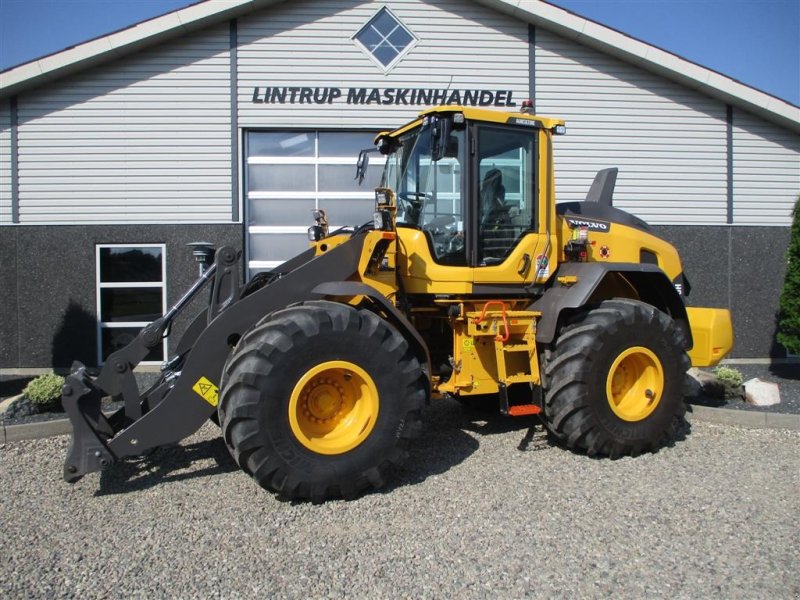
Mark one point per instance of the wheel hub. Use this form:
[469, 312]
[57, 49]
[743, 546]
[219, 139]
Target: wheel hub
[635, 384]
[322, 400]
[333, 407]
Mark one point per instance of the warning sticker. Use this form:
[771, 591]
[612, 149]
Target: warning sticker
[207, 390]
[542, 267]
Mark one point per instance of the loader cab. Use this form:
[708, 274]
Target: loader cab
[470, 180]
[429, 185]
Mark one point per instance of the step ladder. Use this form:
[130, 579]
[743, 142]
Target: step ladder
[505, 347]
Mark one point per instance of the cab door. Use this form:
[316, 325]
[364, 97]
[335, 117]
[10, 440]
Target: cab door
[505, 196]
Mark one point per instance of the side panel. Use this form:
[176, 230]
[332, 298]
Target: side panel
[140, 140]
[766, 172]
[666, 139]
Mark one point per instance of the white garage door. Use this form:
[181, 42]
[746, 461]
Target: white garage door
[289, 173]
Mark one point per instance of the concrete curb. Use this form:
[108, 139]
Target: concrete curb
[743, 418]
[34, 431]
[706, 414]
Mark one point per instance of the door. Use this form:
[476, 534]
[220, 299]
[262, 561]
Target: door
[506, 189]
[288, 174]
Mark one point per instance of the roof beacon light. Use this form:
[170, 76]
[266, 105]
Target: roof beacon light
[527, 107]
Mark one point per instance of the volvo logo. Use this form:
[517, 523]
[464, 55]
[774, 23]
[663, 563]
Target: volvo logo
[600, 226]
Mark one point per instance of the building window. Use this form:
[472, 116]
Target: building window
[131, 293]
[385, 39]
[290, 173]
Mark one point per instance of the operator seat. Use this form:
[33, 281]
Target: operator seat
[493, 195]
[497, 235]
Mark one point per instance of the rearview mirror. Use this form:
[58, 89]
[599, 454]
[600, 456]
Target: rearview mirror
[440, 134]
[362, 163]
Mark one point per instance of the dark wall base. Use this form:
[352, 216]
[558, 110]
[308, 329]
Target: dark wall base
[741, 268]
[48, 295]
[48, 289]
[9, 315]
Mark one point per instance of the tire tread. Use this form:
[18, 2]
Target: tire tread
[570, 415]
[254, 362]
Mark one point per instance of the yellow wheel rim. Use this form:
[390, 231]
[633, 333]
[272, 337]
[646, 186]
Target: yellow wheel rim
[333, 407]
[635, 384]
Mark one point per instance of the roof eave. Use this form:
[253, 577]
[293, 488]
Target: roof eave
[569, 25]
[651, 58]
[124, 42]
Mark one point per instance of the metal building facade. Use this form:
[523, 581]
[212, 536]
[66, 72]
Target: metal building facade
[143, 139]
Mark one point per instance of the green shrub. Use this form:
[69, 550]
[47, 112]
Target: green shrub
[45, 390]
[729, 376]
[789, 306]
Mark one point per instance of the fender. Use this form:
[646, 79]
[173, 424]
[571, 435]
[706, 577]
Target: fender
[650, 282]
[397, 318]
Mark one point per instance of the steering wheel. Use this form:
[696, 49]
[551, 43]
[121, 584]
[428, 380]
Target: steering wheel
[440, 223]
[497, 216]
[447, 239]
[412, 198]
[412, 204]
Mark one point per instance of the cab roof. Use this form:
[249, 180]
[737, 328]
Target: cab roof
[472, 113]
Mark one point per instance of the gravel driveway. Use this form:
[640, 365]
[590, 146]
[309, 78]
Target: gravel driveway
[483, 510]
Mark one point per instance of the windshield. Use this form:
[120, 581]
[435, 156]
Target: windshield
[429, 194]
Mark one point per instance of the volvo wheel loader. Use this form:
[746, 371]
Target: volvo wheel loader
[470, 283]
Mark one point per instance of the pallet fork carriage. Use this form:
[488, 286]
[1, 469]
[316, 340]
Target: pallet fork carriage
[471, 282]
[172, 409]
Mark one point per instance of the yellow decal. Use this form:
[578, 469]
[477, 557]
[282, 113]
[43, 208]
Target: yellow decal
[207, 390]
[468, 344]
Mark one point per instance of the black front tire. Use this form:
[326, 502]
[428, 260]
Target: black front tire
[275, 432]
[615, 381]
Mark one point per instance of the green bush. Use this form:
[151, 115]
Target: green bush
[729, 376]
[789, 306]
[45, 390]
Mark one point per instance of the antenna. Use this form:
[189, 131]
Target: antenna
[449, 85]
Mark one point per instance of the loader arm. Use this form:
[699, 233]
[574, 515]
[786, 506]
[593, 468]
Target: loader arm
[185, 395]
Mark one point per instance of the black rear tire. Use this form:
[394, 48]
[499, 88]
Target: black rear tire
[320, 400]
[615, 382]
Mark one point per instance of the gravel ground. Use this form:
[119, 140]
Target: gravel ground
[481, 510]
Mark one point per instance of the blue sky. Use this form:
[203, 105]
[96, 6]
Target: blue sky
[754, 41]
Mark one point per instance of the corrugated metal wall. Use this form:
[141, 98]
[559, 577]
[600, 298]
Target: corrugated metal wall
[766, 171]
[668, 141]
[148, 138]
[143, 139]
[5, 161]
[307, 43]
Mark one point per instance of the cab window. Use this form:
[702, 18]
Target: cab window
[506, 206]
[429, 193]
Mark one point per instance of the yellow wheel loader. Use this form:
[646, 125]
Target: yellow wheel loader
[469, 283]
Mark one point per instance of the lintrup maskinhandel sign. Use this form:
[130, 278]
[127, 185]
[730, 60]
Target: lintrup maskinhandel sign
[381, 96]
